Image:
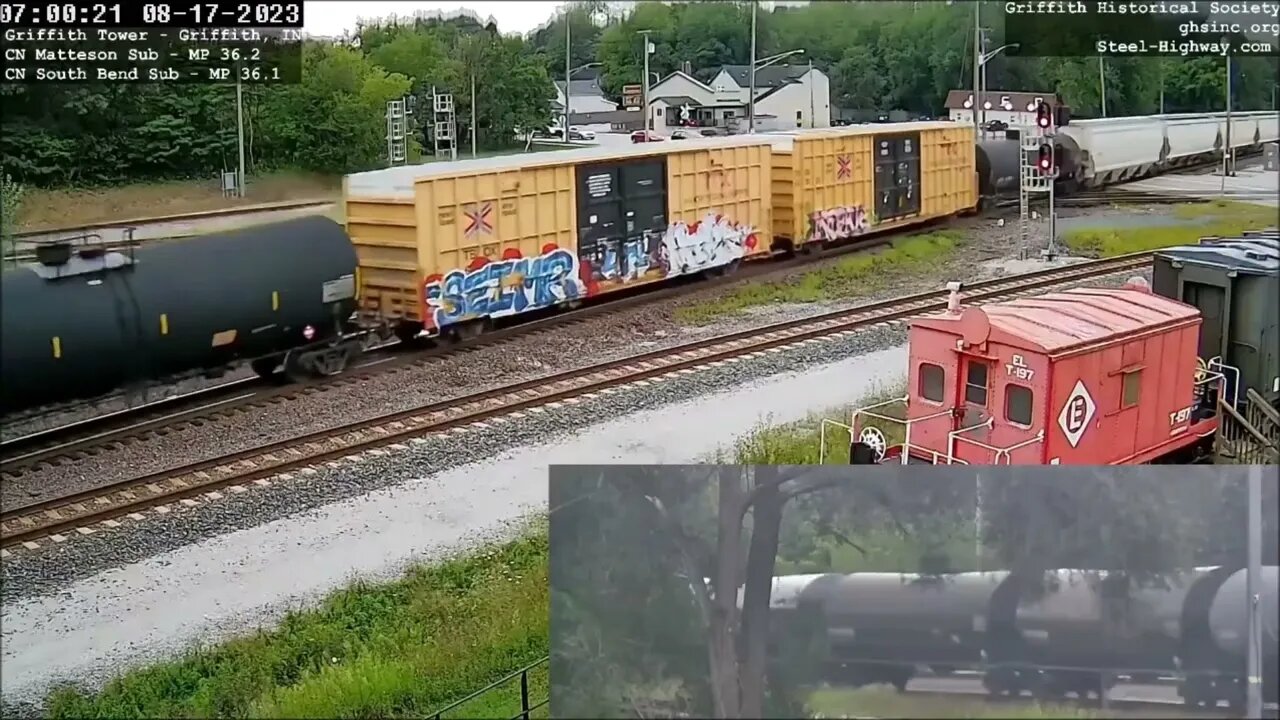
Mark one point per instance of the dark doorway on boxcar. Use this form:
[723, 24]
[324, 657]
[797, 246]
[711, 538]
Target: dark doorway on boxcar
[897, 175]
[1212, 302]
[622, 215]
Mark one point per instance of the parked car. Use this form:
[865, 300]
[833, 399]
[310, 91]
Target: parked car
[581, 134]
[640, 136]
[681, 135]
[714, 132]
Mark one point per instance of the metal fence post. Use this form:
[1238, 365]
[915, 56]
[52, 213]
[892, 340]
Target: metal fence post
[524, 694]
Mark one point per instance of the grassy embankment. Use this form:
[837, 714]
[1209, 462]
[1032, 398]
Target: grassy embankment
[1216, 217]
[46, 209]
[854, 276]
[402, 649]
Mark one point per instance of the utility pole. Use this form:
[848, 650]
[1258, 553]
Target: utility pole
[982, 77]
[977, 61]
[1102, 84]
[473, 113]
[813, 115]
[1253, 581]
[751, 91]
[240, 131]
[644, 36]
[568, 59]
[1229, 166]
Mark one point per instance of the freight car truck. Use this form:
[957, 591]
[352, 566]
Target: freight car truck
[447, 248]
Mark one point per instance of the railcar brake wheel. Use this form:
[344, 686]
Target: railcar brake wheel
[874, 439]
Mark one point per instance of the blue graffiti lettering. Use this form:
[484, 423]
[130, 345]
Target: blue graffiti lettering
[506, 287]
[626, 260]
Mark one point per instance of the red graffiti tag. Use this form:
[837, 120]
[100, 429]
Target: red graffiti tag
[837, 223]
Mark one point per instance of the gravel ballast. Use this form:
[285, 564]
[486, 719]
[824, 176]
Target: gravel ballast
[594, 340]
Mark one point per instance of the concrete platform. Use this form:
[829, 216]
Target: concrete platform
[1252, 184]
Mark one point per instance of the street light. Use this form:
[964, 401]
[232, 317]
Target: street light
[982, 63]
[568, 75]
[757, 65]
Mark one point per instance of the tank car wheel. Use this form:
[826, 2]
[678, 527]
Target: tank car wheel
[266, 368]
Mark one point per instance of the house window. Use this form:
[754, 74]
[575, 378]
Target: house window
[932, 382]
[975, 387]
[1131, 390]
[1017, 404]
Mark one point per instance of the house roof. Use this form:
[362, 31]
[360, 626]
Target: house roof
[1019, 99]
[686, 76]
[581, 87]
[772, 76]
[679, 100]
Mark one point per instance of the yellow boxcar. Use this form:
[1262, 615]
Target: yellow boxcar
[836, 183]
[444, 244]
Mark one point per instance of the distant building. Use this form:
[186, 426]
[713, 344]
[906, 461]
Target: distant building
[1013, 108]
[787, 97]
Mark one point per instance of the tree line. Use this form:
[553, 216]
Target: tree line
[879, 56]
[642, 556]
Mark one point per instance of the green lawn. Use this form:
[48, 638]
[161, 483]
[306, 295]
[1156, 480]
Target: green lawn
[402, 649]
[1217, 217]
[855, 276]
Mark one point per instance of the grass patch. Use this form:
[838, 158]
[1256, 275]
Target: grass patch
[877, 702]
[800, 442]
[72, 206]
[401, 649]
[854, 276]
[1217, 217]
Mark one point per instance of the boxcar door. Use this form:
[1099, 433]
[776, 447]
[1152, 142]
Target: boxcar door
[621, 216]
[644, 219]
[906, 176]
[885, 187]
[1212, 302]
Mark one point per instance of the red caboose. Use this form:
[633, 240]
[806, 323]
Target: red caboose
[1085, 376]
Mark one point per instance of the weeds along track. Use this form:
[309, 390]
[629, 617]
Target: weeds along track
[81, 511]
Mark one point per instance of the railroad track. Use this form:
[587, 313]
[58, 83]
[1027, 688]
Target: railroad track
[86, 511]
[67, 444]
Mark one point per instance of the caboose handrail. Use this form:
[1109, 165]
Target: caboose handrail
[1005, 452]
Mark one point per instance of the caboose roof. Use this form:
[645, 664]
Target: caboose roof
[1059, 322]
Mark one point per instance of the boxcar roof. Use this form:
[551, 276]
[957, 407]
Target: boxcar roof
[1251, 255]
[398, 181]
[1061, 321]
[783, 140]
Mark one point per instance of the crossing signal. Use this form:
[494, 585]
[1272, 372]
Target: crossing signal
[1045, 159]
[1044, 116]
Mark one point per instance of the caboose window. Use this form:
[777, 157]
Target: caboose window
[1131, 390]
[932, 382]
[975, 387]
[1017, 404]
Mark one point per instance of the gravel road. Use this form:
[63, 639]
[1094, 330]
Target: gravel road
[987, 253]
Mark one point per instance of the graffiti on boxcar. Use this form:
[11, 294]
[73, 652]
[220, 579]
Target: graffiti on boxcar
[496, 288]
[712, 242]
[837, 223]
[680, 249]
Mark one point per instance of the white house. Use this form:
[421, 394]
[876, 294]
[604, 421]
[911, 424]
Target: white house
[1013, 108]
[787, 97]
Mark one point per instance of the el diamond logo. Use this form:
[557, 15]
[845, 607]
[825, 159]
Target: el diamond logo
[1076, 414]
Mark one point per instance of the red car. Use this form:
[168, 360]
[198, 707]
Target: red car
[640, 136]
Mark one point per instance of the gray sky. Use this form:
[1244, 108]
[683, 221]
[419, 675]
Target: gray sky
[331, 17]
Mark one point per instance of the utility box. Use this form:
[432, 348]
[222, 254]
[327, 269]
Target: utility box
[1271, 157]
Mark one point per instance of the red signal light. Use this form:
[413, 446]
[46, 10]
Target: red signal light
[1045, 157]
[1044, 116]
